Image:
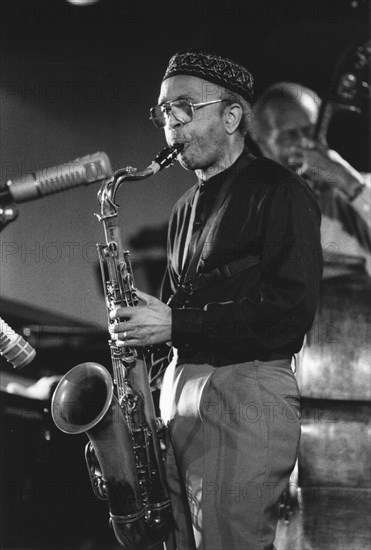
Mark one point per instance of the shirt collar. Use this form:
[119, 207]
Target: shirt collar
[214, 181]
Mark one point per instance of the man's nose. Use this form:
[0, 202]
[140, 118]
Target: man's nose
[173, 122]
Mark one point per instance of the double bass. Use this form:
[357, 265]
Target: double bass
[334, 475]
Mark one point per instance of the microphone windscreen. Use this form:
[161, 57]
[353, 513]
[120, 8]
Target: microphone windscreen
[15, 348]
[54, 179]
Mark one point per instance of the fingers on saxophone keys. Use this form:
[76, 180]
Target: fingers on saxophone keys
[121, 339]
[126, 343]
[122, 333]
[117, 336]
[121, 327]
[114, 314]
[120, 313]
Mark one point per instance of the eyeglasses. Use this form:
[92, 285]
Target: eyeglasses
[181, 109]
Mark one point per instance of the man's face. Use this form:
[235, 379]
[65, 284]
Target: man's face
[291, 129]
[204, 138]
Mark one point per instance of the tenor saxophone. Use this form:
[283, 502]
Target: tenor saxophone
[124, 455]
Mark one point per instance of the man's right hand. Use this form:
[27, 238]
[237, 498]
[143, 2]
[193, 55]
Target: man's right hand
[326, 168]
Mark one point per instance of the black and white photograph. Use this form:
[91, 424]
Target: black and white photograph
[185, 275]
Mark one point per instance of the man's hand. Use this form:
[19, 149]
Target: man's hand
[326, 168]
[146, 324]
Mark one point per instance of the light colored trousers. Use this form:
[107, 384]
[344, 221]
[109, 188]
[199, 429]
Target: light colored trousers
[233, 439]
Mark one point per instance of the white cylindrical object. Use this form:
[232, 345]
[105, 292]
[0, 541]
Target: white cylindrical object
[14, 348]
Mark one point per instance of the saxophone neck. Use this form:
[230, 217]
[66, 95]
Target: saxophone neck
[109, 188]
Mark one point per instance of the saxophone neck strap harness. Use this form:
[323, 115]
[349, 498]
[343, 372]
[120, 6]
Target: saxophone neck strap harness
[193, 281]
[217, 274]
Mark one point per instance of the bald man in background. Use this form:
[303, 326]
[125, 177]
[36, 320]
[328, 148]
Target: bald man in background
[284, 118]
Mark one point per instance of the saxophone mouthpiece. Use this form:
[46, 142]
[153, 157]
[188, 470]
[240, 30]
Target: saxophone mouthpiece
[166, 157]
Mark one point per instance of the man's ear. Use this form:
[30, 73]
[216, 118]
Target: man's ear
[232, 117]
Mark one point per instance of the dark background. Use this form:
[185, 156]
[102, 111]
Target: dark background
[78, 79]
[112, 54]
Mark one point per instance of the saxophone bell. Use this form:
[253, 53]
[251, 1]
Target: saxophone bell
[84, 402]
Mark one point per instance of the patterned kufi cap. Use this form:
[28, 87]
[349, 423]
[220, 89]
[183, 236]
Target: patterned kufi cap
[213, 68]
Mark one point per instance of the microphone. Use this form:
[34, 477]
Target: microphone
[14, 348]
[81, 171]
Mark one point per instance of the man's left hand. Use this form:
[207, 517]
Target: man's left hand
[143, 325]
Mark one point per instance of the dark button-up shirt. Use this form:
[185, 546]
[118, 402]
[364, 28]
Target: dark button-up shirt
[268, 212]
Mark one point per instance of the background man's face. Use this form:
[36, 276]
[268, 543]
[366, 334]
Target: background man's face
[291, 128]
[204, 137]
